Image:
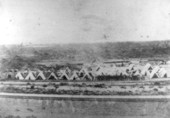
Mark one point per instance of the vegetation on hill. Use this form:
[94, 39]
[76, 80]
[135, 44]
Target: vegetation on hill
[19, 56]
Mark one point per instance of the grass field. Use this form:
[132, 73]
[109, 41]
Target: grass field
[50, 108]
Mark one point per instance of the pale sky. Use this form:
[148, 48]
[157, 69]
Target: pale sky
[72, 21]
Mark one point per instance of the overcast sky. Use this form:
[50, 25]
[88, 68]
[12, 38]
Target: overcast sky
[65, 21]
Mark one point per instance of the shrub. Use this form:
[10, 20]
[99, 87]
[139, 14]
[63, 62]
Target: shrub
[44, 85]
[155, 89]
[64, 84]
[99, 85]
[32, 86]
[157, 83]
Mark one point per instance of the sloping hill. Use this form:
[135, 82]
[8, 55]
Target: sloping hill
[17, 54]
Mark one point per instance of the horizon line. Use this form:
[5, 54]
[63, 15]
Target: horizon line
[91, 42]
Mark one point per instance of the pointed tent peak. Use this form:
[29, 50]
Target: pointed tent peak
[40, 71]
[19, 76]
[32, 72]
[137, 73]
[148, 66]
[30, 76]
[28, 69]
[69, 74]
[49, 71]
[131, 66]
[41, 76]
[82, 69]
[53, 73]
[156, 69]
[52, 69]
[67, 68]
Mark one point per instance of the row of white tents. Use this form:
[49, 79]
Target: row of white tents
[154, 71]
[148, 72]
[83, 74]
[117, 71]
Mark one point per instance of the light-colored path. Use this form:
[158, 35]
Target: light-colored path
[86, 97]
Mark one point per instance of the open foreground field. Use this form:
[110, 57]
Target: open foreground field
[26, 107]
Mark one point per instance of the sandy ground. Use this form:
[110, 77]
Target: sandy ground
[39, 108]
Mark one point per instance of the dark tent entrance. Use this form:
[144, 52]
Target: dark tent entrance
[51, 78]
[64, 78]
[39, 78]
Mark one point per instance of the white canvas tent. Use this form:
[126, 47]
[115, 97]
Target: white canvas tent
[137, 73]
[82, 70]
[146, 68]
[153, 75]
[52, 76]
[156, 69]
[67, 70]
[124, 73]
[154, 72]
[30, 76]
[41, 76]
[106, 71]
[86, 75]
[64, 76]
[19, 76]
[74, 76]
[162, 73]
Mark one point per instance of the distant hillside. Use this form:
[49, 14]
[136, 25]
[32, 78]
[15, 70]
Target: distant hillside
[17, 56]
